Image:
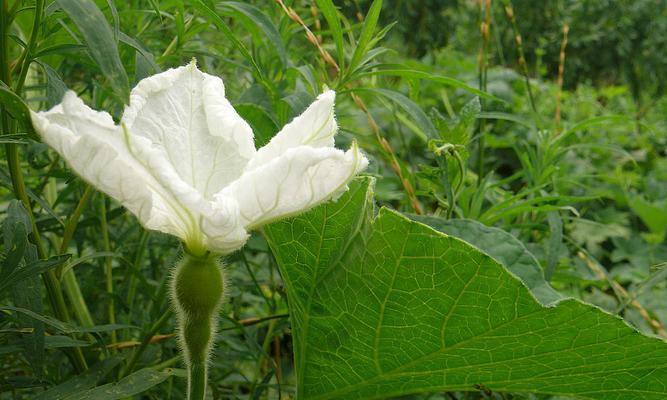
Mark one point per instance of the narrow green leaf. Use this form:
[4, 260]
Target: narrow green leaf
[399, 70]
[60, 49]
[65, 327]
[263, 23]
[15, 230]
[80, 383]
[553, 246]
[99, 39]
[55, 87]
[215, 19]
[507, 117]
[412, 109]
[18, 138]
[145, 53]
[155, 4]
[14, 105]
[33, 269]
[333, 19]
[370, 22]
[653, 215]
[59, 341]
[86, 258]
[384, 307]
[135, 383]
[595, 121]
[5, 180]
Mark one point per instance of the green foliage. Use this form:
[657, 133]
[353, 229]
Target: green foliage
[610, 41]
[573, 208]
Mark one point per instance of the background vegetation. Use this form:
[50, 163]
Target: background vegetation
[544, 119]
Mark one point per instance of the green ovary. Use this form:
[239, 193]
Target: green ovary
[197, 291]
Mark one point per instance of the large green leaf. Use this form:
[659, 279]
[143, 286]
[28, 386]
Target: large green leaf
[501, 245]
[384, 306]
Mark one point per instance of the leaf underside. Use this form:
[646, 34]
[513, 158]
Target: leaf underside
[382, 306]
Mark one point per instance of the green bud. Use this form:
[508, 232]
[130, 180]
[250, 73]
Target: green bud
[197, 292]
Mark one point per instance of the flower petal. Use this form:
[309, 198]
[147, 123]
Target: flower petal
[315, 127]
[185, 115]
[130, 170]
[93, 146]
[300, 179]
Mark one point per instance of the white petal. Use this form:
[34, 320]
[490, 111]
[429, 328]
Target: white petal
[315, 127]
[300, 179]
[207, 224]
[130, 170]
[93, 146]
[224, 235]
[185, 115]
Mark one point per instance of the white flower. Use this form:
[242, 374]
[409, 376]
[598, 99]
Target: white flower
[184, 162]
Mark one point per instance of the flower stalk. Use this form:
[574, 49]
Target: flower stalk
[197, 293]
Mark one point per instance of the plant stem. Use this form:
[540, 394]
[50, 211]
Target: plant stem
[131, 276]
[509, 10]
[485, 26]
[561, 75]
[26, 57]
[70, 283]
[73, 292]
[108, 265]
[73, 220]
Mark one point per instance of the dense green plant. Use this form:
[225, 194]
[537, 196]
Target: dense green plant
[364, 297]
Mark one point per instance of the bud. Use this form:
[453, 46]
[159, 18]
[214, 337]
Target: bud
[197, 293]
